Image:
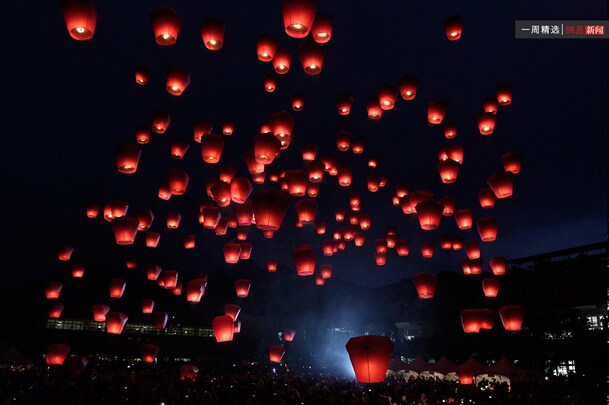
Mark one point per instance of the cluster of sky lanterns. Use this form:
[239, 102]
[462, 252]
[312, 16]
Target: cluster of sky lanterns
[266, 207]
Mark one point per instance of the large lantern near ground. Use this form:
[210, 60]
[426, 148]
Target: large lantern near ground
[80, 17]
[55, 310]
[115, 322]
[56, 354]
[127, 158]
[147, 306]
[276, 352]
[269, 208]
[223, 328]
[511, 317]
[298, 16]
[52, 289]
[453, 27]
[304, 260]
[212, 34]
[166, 24]
[288, 335]
[425, 283]
[370, 357]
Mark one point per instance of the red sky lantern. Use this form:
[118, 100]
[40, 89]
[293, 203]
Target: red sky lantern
[78, 271]
[306, 209]
[375, 112]
[343, 103]
[271, 265]
[92, 210]
[142, 76]
[246, 251]
[365, 222]
[237, 327]
[487, 228]
[211, 217]
[56, 354]
[296, 181]
[304, 260]
[373, 182]
[472, 266]
[472, 249]
[402, 247]
[339, 215]
[370, 357]
[200, 129]
[491, 105]
[450, 130]
[117, 287]
[297, 102]
[454, 152]
[178, 181]
[55, 310]
[298, 16]
[464, 218]
[240, 189]
[486, 123]
[453, 27]
[316, 172]
[173, 220]
[178, 80]
[490, 286]
[160, 122]
[309, 151]
[65, 253]
[195, 289]
[178, 149]
[327, 247]
[281, 61]
[426, 250]
[429, 214]
[166, 24]
[148, 352]
[147, 306]
[227, 173]
[504, 94]
[127, 158]
[449, 205]
[511, 317]
[221, 193]
[471, 320]
[449, 170]
[115, 322]
[80, 17]
[354, 219]
[408, 87]
[188, 372]
[487, 318]
[359, 239]
[115, 209]
[242, 287]
[511, 162]
[189, 241]
[244, 213]
[282, 125]
[168, 279]
[322, 28]
[159, 319]
[319, 280]
[164, 191]
[345, 175]
[276, 352]
[357, 146]
[445, 242]
[152, 239]
[125, 229]
[386, 96]
[266, 46]
[228, 127]
[266, 148]
[232, 310]
[212, 146]
[486, 198]
[502, 184]
[99, 312]
[223, 328]
[232, 252]
[380, 259]
[288, 335]
[436, 110]
[425, 283]
[212, 33]
[343, 141]
[131, 263]
[325, 270]
[270, 84]
[311, 57]
[320, 227]
[498, 265]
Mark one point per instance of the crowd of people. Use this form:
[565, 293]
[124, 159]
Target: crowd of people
[137, 383]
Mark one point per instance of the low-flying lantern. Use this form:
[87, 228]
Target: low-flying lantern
[125, 229]
[436, 110]
[177, 81]
[223, 328]
[115, 322]
[472, 249]
[487, 228]
[511, 317]
[166, 24]
[127, 158]
[425, 283]
[80, 17]
[159, 319]
[242, 287]
[453, 27]
[490, 286]
[99, 312]
[370, 357]
[212, 33]
[288, 335]
[471, 320]
[498, 265]
[298, 16]
[276, 352]
[212, 146]
[56, 354]
[266, 46]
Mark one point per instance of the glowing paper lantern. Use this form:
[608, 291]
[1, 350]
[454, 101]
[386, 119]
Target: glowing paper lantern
[228, 127]
[298, 16]
[212, 34]
[271, 265]
[266, 148]
[142, 76]
[177, 81]
[147, 306]
[65, 253]
[325, 270]
[127, 158]
[148, 352]
[386, 97]
[511, 317]
[115, 322]
[471, 320]
[80, 17]
[160, 122]
[426, 250]
[322, 28]
[288, 335]
[56, 353]
[152, 239]
[232, 311]
[343, 103]
[490, 286]
[178, 181]
[502, 184]
[269, 208]
[472, 249]
[486, 198]
[449, 170]
[212, 146]
[99, 312]
[125, 229]
[78, 271]
[282, 125]
[55, 310]
[223, 328]
[486, 123]
[345, 176]
[487, 228]
[242, 287]
[178, 149]
[408, 87]
[449, 205]
[159, 319]
[195, 289]
[498, 265]
[425, 283]
[375, 112]
[92, 211]
[240, 190]
[232, 252]
[450, 130]
[380, 259]
[504, 94]
[453, 27]
[166, 24]
[511, 162]
[464, 218]
[402, 247]
[266, 46]
[436, 110]
[304, 260]
[188, 372]
[168, 279]
[491, 105]
[370, 357]
[276, 352]
[142, 135]
[306, 209]
[117, 287]
[429, 214]
[311, 57]
[281, 61]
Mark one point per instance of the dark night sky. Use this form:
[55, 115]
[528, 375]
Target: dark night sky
[68, 104]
